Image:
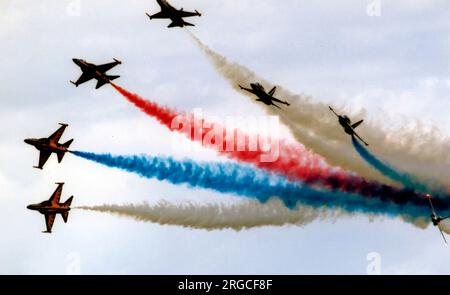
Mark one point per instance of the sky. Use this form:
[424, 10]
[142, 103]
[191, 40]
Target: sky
[394, 64]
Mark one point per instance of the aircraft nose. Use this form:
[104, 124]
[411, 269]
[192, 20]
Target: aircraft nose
[27, 141]
[29, 206]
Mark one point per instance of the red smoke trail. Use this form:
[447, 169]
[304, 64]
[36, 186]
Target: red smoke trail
[294, 161]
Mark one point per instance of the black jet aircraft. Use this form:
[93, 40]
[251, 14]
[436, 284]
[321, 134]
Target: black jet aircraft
[267, 98]
[49, 145]
[175, 15]
[349, 128]
[97, 72]
[52, 207]
[436, 219]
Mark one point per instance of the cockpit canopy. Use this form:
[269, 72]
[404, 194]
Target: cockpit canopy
[257, 86]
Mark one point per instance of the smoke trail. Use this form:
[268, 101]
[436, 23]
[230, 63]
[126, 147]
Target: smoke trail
[163, 114]
[234, 143]
[404, 178]
[444, 225]
[243, 180]
[243, 215]
[416, 149]
[293, 161]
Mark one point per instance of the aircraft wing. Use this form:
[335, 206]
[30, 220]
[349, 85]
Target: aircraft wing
[43, 157]
[432, 207]
[58, 133]
[54, 199]
[100, 83]
[106, 67]
[357, 124]
[359, 137]
[279, 101]
[276, 106]
[83, 79]
[161, 14]
[246, 89]
[49, 219]
[443, 236]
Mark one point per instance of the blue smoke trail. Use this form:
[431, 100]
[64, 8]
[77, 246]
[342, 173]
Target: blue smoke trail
[407, 180]
[244, 180]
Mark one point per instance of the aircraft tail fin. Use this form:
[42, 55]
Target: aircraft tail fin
[272, 91]
[68, 143]
[60, 156]
[62, 153]
[68, 202]
[188, 24]
[357, 124]
[65, 216]
[180, 24]
[105, 80]
[112, 77]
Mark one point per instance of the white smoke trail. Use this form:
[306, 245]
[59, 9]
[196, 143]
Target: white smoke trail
[238, 216]
[414, 149]
[242, 215]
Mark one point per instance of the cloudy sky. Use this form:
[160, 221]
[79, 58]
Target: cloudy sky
[394, 63]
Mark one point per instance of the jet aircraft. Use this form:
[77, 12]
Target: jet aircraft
[97, 72]
[175, 15]
[349, 128]
[263, 96]
[436, 219]
[49, 145]
[52, 207]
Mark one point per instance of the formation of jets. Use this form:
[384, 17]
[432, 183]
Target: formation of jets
[48, 145]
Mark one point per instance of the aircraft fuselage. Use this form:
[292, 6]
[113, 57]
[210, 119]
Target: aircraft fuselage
[175, 15]
[435, 219]
[46, 208]
[259, 91]
[344, 121]
[90, 69]
[43, 144]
